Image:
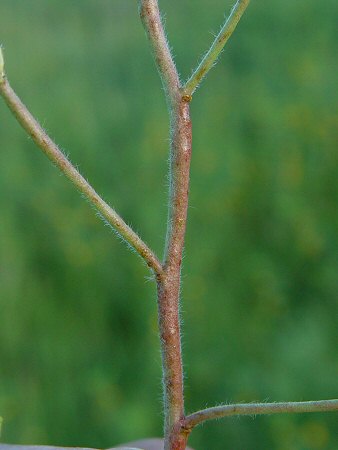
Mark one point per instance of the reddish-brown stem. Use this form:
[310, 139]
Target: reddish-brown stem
[169, 326]
[169, 282]
[179, 184]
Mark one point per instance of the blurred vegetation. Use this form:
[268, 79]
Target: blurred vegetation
[79, 352]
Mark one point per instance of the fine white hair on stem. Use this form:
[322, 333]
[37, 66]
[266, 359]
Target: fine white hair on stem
[57, 157]
[211, 56]
[254, 409]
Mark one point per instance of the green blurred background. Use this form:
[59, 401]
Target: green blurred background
[79, 352]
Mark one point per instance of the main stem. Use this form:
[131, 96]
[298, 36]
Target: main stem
[168, 284]
[169, 280]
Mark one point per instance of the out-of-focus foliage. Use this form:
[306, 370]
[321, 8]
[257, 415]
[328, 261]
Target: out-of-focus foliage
[79, 352]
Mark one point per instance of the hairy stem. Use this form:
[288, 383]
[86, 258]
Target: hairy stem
[217, 46]
[252, 409]
[173, 396]
[179, 176]
[169, 283]
[151, 19]
[52, 151]
[169, 288]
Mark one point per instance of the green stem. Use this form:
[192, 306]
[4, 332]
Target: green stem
[252, 409]
[217, 46]
[51, 150]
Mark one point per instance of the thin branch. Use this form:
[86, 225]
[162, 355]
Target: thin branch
[51, 150]
[151, 19]
[217, 46]
[252, 409]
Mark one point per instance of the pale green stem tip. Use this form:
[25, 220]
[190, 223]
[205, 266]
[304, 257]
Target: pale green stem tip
[2, 63]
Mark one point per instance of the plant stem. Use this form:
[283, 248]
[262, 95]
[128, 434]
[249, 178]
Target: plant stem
[151, 19]
[253, 409]
[52, 151]
[217, 46]
[168, 284]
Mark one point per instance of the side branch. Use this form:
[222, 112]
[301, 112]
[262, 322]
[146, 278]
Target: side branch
[217, 46]
[252, 409]
[51, 150]
[151, 19]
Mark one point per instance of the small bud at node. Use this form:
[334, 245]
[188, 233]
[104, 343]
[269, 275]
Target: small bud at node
[186, 98]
